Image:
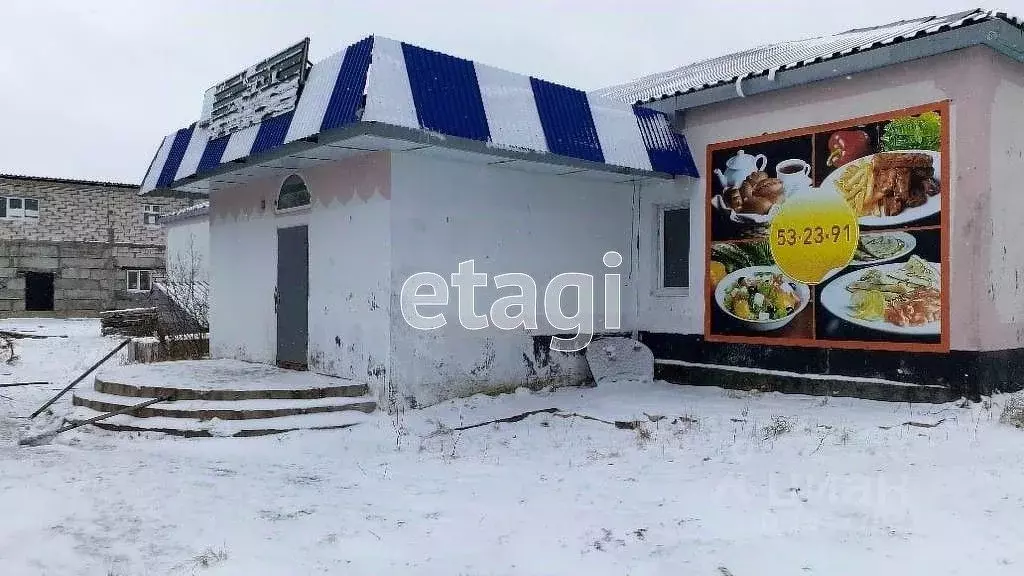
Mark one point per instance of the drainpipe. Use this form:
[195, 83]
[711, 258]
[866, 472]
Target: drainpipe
[634, 260]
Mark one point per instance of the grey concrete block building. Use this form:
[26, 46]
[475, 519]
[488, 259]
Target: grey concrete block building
[76, 247]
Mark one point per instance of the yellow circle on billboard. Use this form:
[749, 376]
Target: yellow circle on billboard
[813, 233]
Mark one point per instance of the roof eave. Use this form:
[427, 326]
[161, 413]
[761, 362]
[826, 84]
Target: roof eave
[997, 34]
[414, 136]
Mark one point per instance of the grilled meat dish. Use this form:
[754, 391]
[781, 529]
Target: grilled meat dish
[902, 180]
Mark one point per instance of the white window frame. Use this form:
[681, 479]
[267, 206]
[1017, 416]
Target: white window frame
[139, 274]
[19, 213]
[659, 251]
[30, 213]
[151, 210]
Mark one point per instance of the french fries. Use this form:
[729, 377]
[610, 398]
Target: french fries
[855, 184]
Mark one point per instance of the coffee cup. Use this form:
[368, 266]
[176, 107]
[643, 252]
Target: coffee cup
[795, 174]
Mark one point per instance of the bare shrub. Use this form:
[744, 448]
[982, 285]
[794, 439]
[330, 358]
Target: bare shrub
[1013, 411]
[210, 558]
[779, 426]
[185, 321]
[643, 435]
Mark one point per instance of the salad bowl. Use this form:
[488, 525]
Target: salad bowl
[731, 280]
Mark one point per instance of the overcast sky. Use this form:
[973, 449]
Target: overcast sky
[90, 87]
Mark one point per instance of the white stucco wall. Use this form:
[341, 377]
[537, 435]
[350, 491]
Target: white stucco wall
[243, 239]
[965, 77]
[188, 249]
[349, 264]
[445, 212]
[1002, 313]
[349, 270]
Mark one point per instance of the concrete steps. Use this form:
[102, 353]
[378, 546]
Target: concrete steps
[192, 428]
[221, 398]
[222, 409]
[194, 393]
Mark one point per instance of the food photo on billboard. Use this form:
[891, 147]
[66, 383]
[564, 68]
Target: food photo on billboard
[831, 236]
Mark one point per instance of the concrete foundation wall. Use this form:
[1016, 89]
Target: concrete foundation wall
[87, 277]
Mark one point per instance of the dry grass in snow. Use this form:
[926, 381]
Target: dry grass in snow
[708, 483]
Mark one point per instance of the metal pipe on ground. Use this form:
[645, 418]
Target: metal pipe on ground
[14, 384]
[50, 402]
[45, 437]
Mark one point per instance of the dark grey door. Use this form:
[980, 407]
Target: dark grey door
[292, 296]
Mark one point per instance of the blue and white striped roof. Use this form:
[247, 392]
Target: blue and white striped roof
[385, 82]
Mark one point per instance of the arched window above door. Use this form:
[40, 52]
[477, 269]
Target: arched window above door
[293, 194]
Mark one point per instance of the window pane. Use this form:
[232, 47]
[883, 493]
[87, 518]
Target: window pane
[145, 280]
[676, 244]
[14, 208]
[31, 204]
[133, 280]
[3, 207]
[293, 193]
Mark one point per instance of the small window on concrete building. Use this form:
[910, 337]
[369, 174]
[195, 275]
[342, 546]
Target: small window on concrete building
[150, 214]
[38, 291]
[11, 207]
[15, 208]
[294, 193]
[140, 280]
[674, 249]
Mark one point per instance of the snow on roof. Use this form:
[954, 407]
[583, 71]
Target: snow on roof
[380, 81]
[770, 58]
[193, 211]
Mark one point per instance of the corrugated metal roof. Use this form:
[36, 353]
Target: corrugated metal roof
[68, 181]
[768, 59]
[440, 96]
[193, 211]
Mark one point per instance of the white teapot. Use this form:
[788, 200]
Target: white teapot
[739, 167]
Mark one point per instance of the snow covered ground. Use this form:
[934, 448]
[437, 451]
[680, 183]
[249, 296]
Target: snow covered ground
[726, 483]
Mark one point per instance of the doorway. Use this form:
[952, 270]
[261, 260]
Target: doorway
[38, 291]
[291, 297]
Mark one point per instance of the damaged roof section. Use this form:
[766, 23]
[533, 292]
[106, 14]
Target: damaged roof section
[396, 90]
[770, 59]
[194, 211]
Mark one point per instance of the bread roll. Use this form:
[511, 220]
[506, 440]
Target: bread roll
[757, 205]
[769, 189]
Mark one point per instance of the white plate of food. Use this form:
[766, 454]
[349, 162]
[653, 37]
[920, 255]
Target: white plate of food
[882, 247]
[890, 188]
[896, 298]
[761, 298]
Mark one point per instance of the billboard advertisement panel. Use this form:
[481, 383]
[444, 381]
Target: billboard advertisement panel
[832, 236]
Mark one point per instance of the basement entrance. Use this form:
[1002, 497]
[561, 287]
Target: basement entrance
[38, 291]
